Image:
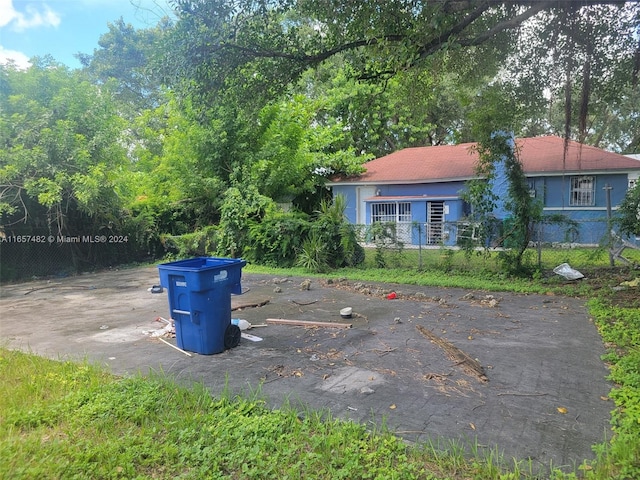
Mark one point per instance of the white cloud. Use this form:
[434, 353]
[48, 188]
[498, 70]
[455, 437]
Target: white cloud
[30, 18]
[19, 59]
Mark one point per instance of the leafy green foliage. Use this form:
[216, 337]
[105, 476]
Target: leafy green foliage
[331, 241]
[197, 244]
[294, 154]
[495, 150]
[628, 214]
[269, 46]
[537, 50]
[277, 238]
[313, 255]
[385, 238]
[241, 208]
[336, 234]
[63, 169]
[126, 61]
[414, 108]
[174, 179]
[620, 329]
[58, 147]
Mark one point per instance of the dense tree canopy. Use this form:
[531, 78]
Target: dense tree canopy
[59, 149]
[585, 49]
[238, 106]
[129, 60]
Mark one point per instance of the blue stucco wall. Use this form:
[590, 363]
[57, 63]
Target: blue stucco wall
[349, 192]
[444, 189]
[556, 191]
[592, 225]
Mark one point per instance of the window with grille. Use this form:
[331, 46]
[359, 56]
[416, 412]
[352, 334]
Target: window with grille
[582, 191]
[391, 212]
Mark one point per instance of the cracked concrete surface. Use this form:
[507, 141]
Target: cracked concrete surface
[541, 355]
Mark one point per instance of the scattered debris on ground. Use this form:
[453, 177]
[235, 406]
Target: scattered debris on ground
[619, 244]
[484, 300]
[303, 304]
[57, 285]
[631, 283]
[468, 364]
[167, 331]
[250, 337]
[565, 270]
[261, 303]
[173, 346]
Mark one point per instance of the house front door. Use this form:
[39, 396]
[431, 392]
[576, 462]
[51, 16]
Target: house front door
[435, 222]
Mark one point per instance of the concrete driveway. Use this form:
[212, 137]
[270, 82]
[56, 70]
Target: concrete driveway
[544, 397]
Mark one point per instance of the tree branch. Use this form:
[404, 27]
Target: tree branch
[311, 59]
[461, 5]
[437, 43]
[479, 8]
[509, 24]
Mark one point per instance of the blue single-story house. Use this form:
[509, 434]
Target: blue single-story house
[419, 189]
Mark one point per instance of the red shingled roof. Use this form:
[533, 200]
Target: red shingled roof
[539, 155]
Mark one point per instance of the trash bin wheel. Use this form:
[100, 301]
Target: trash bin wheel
[232, 336]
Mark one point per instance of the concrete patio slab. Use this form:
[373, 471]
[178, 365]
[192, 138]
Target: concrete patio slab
[541, 355]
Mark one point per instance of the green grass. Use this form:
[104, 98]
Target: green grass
[479, 271]
[620, 330]
[73, 420]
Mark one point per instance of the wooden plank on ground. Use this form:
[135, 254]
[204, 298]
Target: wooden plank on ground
[305, 323]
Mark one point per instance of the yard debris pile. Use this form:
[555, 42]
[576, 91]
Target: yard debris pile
[485, 300]
[362, 288]
[167, 331]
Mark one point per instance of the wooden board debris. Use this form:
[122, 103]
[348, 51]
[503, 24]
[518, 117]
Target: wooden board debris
[305, 323]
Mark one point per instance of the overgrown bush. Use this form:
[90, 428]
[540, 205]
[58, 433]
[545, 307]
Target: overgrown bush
[277, 239]
[242, 207]
[628, 214]
[332, 240]
[338, 236]
[196, 244]
[313, 254]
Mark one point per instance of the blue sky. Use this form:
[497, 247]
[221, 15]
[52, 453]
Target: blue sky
[62, 28]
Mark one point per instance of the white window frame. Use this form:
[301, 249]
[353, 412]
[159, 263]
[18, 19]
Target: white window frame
[583, 191]
[395, 212]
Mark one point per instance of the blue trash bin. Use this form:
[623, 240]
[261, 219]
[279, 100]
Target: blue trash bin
[199, 291]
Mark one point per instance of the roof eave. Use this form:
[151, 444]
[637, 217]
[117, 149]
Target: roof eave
[401, 182]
